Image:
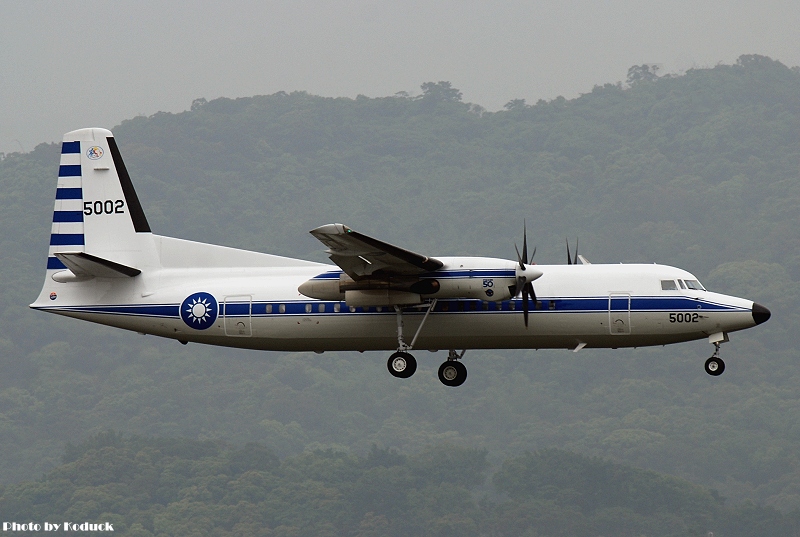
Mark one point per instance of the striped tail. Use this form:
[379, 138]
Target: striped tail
[96, 209]
[67, 235]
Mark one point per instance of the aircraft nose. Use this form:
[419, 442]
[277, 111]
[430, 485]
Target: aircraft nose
[760, 313]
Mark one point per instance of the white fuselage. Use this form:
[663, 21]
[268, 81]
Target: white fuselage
[186, 293]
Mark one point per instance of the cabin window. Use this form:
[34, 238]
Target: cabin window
[352, 309]
[308, 308]
[269, 308]
[668, 285]
[282, 308]
[379, 309]
[485, 306]
[552, 304]
[337, 307]
[695, 285]
[512, 305]
[321, 308]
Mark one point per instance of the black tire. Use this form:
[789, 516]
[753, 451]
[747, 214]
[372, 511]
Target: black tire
[452, 373]
[401, 365]
[715, 366]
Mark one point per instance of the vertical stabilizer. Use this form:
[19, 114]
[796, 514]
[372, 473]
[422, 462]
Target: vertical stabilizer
[97, 210]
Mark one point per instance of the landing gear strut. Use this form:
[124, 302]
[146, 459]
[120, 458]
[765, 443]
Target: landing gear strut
[452, 372]
[402, 364]
[714, 365]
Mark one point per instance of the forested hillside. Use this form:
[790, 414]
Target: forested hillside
[177, 487]
[700, 171]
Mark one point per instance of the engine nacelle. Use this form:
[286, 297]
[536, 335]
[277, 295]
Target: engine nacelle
[489, 289]
[322, 289]
[381, 297]
[383, 292]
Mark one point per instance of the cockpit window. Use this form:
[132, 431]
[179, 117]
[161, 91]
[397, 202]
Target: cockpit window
[668, 285]
[694, 284]
[682, 284]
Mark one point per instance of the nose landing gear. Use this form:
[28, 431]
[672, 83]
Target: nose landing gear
[714, 365]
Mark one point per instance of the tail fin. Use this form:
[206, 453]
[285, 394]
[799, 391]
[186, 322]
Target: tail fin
[96, 211]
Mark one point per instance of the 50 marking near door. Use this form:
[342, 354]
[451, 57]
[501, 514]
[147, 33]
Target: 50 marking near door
[103, 207]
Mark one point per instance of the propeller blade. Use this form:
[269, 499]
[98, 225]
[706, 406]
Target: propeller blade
[525, 305]
[569, 258]
[576, 250]
[524, 243]
[524, 283]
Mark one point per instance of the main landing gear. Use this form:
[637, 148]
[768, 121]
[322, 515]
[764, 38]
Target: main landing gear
[452, 372]
[402, 364]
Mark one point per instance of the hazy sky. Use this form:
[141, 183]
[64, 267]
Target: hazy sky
[67, 65]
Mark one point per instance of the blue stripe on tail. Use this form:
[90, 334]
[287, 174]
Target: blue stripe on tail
[67, 216]
[70, 147]
[69, 193]
[54, 263]
[69, 170]
[66, 239]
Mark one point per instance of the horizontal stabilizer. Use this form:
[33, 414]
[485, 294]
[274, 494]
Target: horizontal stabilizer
[83, 264]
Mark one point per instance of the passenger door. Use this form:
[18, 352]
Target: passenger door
[619, 314]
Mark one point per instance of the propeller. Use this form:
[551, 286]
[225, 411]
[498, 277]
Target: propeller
[526, 274]
[569, 258]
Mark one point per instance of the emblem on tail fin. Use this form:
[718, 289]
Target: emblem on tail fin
[95, 152]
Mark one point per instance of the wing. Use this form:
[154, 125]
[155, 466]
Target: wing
[361, 256]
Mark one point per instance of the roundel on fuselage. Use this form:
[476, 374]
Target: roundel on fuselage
[199, 311]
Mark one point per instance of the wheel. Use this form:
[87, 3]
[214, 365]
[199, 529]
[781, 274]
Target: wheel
[452, 373]
[401, 365]
[715, 366]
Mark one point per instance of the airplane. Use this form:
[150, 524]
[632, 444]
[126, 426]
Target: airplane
[106, 266]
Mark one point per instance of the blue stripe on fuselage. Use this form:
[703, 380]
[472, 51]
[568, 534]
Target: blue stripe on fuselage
[546, 305]
[145, 310]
